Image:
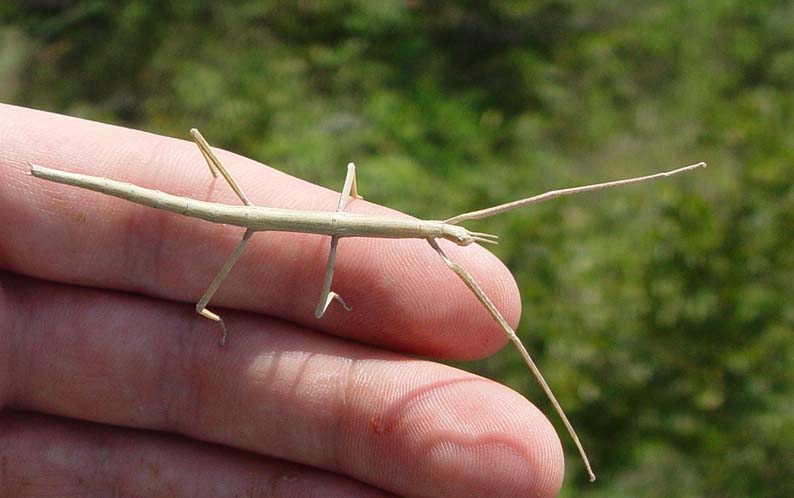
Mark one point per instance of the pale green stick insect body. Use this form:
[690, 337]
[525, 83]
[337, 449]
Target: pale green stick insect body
[336, 224]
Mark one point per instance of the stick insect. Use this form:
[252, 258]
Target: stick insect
[336, 224]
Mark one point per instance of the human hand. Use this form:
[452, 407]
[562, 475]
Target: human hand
[110, 383]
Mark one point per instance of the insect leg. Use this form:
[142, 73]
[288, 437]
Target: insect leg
[327, 295]
[216, 166]
[511, 334]
[349, 188]
[201, 306]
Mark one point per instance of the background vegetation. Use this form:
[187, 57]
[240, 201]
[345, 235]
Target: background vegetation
[661, 314]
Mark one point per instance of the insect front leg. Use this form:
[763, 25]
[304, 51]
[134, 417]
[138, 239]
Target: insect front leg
[511, 334]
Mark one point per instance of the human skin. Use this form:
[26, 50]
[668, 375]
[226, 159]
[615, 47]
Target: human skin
[111, 384]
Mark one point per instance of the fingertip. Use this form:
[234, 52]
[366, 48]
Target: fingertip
[548, 458]
[537, 467]
[475, 332]
[491, 442]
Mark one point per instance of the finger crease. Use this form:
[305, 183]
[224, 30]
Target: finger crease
[345, 390]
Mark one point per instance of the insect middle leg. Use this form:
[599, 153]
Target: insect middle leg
[327, 295]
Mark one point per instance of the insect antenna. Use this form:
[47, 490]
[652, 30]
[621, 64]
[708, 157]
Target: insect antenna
[484, 237]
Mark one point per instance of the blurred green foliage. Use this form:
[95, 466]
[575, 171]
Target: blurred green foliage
[662, 314]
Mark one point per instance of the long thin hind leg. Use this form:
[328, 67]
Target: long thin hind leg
[327, 295]
[508, 330]
[201, 306]
[216, 166]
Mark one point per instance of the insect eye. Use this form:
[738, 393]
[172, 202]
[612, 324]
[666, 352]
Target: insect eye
[464, 240]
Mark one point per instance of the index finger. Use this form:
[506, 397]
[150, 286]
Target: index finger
[403, 296]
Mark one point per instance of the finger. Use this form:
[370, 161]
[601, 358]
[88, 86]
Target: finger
[408, 426]
[399, 289]
[48, 456]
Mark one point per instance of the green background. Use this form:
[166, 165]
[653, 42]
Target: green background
[661, 314]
